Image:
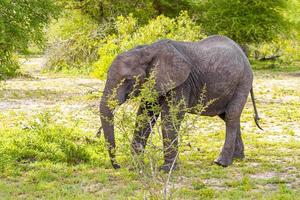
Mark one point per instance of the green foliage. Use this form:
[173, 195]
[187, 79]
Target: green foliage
[172, 8]
[287, 46]
[21, 22]
[8, 65]
[105, 11]
[107, 24]
[130, 35]
[245, 21]
[127, 122]
[44, 140]
[292, 14]
[287, 49]
[73, 42]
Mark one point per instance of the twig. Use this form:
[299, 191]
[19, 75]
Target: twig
[274, 57]
[169, 176]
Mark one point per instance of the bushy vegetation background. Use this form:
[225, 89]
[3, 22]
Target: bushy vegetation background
[263, 28]
[85, 35]
[129, 34]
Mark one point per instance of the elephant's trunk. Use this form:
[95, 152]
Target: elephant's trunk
[108, 129]
[107, 120]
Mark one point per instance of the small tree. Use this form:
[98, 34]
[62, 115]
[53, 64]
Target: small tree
[21, 22]
[247, 21]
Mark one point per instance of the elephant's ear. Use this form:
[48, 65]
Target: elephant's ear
[172, 68]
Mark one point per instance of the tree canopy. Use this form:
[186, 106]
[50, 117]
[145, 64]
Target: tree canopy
[22, 22]
[247, 21]
[85, 24]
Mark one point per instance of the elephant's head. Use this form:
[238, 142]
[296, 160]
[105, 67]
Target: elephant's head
[172, 69]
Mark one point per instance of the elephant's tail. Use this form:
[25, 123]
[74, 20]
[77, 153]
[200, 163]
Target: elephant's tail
[256, 117]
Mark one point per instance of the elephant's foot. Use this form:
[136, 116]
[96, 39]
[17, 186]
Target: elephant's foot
[239, 155]
[167, 167]
[239, 149]
[223, 161]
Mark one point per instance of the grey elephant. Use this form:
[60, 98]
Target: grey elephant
[217, 63]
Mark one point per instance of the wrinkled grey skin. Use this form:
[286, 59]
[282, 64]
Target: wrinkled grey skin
[217, 62]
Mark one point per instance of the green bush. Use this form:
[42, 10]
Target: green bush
[127, 122]
[292, 14]
[43, 139]
[287, 49]
[73, 42]
[286, 46]
[8, 65]
[247, 21]
[130, 35]
[106, 11]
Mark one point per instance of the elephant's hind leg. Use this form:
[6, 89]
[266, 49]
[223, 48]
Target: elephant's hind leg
[232, 121]
[239, 145]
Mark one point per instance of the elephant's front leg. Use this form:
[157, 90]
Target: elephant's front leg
[146, 119]
[170, 129]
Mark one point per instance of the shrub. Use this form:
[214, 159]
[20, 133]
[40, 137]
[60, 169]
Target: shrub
[126, 121]
[245, 21]
[285, 46]
[130, 35]
[43, 139]
[287, 49]
[73, 42]
[8, 65]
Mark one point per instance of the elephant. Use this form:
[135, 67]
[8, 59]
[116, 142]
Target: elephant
[216, 62]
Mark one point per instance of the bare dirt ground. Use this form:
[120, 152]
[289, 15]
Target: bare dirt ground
[36, 92]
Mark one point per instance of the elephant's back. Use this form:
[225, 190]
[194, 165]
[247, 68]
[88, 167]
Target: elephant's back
[215, 55]
[223, 63]
[220, 54]
[224, 66]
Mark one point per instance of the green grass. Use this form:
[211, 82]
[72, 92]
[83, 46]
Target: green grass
[48, 149]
